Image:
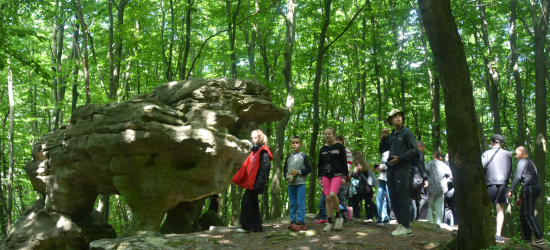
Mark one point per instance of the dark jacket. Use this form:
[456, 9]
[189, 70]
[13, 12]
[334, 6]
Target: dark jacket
[497, 163]
[422, 167]
[263, 173]
[404, 149]
[526, 173]
[332, 161]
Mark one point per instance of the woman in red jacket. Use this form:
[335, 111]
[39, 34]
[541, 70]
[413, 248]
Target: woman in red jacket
[252, 176]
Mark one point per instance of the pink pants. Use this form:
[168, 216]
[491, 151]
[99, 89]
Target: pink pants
[331, 184]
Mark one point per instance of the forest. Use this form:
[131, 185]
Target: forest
[343, 64]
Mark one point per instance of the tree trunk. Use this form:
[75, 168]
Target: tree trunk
[85, 44]
[10, 146]
[187, 38]
[112, 87]
[55, 29]
[59, 89]
[118, 48]
[232, 31]
[476, 226]
[400, 58]
[541, 57]
[76, 68]
[491, 72]
[236, 193]
[277, 177]
[315, 131]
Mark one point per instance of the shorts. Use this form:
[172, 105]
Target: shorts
[331, 184]
[498, 193]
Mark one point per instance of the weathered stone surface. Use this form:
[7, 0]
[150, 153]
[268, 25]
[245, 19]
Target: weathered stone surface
[426, 225]
[180, 143]
[153, 240]
[39, 228]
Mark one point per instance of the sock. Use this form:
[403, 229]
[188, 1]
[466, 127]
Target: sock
[338, 215]
[330, 220]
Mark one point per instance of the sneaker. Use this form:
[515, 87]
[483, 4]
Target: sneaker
[328, 227]
[386, 222]
[321, 221]
[368, 221]
[318, 216]
[240, 230]
[396, 229]
[299, 226]
[292, 223]
[499, 239]
[339, 222]
[379, 222]
[540, 241]
[403, 232]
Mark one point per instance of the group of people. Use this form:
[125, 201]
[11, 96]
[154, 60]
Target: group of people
[408, 188]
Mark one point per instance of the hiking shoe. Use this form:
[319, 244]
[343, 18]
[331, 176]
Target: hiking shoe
[368, 221]
[240, 230]
[321, 221]
[328, 227]
[386, 222]
[292, 223]
[317, 216]
[403, 232]
[379, 222]
[499, 239]
[396, 229]
[540, 241]
[339, 222]
[299, 226]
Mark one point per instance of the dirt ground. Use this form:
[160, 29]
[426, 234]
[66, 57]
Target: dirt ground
[356, 234]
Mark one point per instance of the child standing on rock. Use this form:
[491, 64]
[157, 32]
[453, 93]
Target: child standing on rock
[296, 169]
[332, 173]
[253, 175]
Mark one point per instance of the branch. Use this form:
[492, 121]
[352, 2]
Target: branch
[346, 29]
[526, 27]
[217, 33]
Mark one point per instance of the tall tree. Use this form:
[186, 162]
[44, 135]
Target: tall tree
[490, 71]
[290, 21]
[515, 70]
[541, 58]
[183, 63]
[476, 226]
[232, 31]
[85, 45]
[10, 147]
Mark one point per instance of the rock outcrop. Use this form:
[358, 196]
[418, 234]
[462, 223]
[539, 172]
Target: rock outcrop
[178, 144]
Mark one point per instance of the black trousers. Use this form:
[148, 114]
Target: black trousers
[398, 186]
[250, 211]
[529, 223]
[370, 207]
[450, 204]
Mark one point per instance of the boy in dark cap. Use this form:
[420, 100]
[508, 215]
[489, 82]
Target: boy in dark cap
[402, 146]
[497, 164]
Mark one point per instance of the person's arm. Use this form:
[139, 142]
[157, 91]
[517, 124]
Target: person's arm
[385, 155]
[285, 167]
[307, 166]
[484, 161]
[384, 144]
[343, 161]
[522, 164]
[321, 163]
[422, 167]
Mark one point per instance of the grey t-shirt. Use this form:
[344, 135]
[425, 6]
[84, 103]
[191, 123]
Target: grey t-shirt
[497, 163]
[300, 162]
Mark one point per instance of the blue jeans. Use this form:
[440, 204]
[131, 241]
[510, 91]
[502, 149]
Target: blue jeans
[297, 200]
[323, 206]
[381, 200]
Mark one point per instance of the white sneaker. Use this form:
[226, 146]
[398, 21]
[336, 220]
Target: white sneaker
[328, 227]
[397, 229]
[403, 232]
[339, 223]
[240, 230]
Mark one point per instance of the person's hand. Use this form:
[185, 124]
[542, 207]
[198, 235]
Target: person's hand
[510, 194]
[394, 160]
[343, 181]
[385, 132]
[294, 172]
[426, 184]
[518, 202]
[290, 180]
[320, 182]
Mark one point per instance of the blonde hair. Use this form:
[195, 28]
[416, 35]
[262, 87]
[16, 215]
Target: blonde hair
[359, 159]
[262, 136]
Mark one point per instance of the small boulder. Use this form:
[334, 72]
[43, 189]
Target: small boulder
[210, 218]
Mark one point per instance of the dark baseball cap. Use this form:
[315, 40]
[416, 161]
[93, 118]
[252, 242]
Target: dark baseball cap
[497, 138]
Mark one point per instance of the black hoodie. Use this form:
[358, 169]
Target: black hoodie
[404, 149]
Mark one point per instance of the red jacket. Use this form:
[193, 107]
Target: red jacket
[246, 176]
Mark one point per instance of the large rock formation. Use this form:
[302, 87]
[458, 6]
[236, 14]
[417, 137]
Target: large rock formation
[180, 143]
